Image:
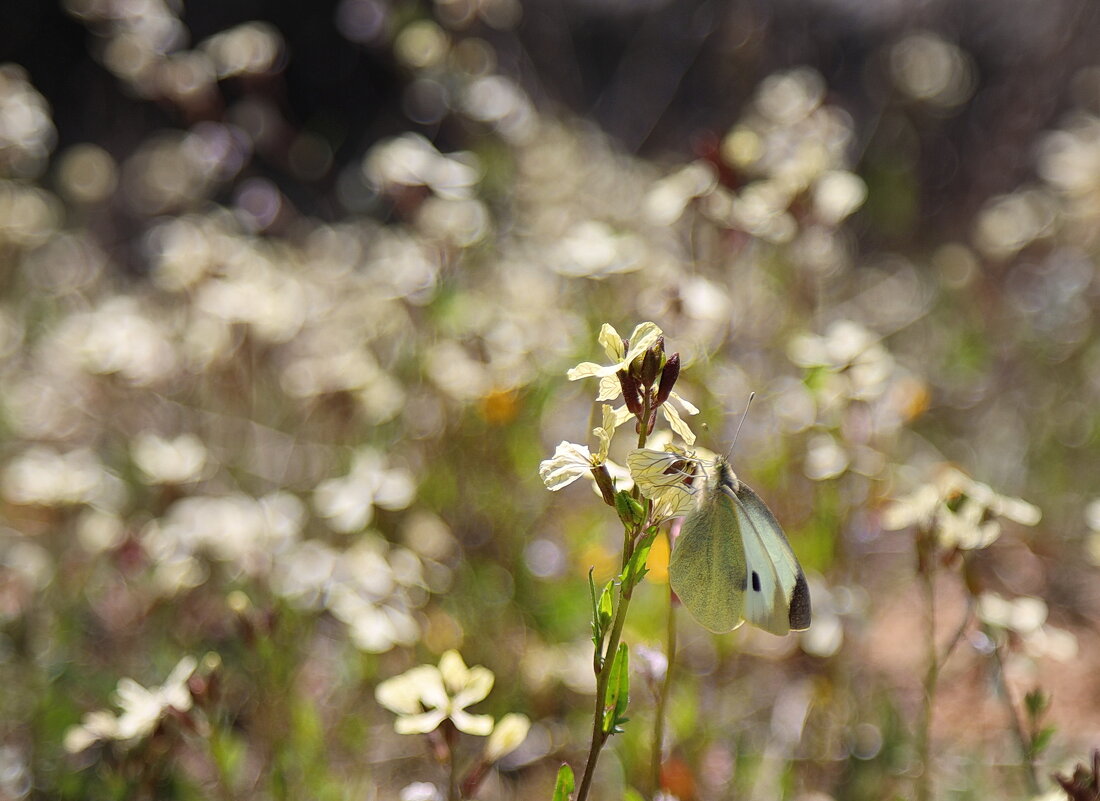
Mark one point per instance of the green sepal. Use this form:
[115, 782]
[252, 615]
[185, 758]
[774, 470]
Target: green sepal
[563, 787]
[618, 692]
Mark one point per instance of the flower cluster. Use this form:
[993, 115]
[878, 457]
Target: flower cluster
[643, 376]
[959, 512]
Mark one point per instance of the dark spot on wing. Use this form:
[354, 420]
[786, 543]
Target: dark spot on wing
[755, 581]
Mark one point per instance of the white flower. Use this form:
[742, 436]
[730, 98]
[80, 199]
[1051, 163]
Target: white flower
[141, 710]
[427, 695]
[348, 502]
[169, 461]
[571, 461]
[644, 337]
[958, 510]
[666, 478]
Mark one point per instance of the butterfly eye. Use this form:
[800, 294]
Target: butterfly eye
[755, 581]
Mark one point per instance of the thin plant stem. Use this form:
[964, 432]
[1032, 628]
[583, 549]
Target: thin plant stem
[450, 737]
[931, 676]
[666, 687]
[1022, 740]
[599, 737]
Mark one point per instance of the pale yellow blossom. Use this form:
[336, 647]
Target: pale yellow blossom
[425, 696]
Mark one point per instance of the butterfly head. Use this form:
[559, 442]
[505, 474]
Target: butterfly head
[722, 475]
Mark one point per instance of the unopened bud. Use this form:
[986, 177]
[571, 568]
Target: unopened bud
[647, 367]
[632, 393]
[630, 511]
[669, 375]
[606, 485]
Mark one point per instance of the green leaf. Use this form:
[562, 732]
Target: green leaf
[635, 569]
[602, 611]
[563, 787]
[618, 692]
[1041, 740]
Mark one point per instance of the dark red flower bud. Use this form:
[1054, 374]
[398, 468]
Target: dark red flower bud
[669, 375]
[632, 393]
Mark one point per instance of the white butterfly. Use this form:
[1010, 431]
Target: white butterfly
[732, 561]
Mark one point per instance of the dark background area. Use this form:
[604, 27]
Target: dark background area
[666, 79]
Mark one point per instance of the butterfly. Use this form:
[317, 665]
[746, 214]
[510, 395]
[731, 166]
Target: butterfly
[731, 562]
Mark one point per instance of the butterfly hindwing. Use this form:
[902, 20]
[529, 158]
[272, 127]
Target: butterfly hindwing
[707, 567]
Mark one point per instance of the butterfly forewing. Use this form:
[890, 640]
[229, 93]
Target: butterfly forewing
[707, 568]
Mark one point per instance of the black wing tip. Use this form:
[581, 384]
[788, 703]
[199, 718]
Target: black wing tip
[799, 615]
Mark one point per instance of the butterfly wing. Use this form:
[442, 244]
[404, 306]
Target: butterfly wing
[707, 567]
[777, 597]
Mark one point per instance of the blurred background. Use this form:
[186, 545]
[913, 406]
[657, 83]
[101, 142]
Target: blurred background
[289, 293]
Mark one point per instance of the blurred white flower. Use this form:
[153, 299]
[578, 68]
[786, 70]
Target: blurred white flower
[1026, 616]
[45, 477]
[411, 160]
[247, 533]
[169, 461]
[141, 710]
[348, 502]
[958, 510]
[849, 352]
[427, 695]
[667, 199]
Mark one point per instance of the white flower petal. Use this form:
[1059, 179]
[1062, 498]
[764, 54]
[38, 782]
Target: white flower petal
[569, 462]
[610, 388]
[479, 725]
[677, 424]
[612, 342]
[509, 733]
[454, 671]
[420, 724]
[479, 681]
[644, 337]
[589, 369]
[687, 406]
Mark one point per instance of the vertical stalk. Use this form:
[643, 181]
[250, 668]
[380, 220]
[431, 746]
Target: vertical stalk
[666, 687]
[1022, 739]
[924, 734]
[599, 737]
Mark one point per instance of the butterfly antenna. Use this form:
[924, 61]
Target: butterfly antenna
[737, 433]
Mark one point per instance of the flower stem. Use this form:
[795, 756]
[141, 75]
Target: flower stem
[662, 698]
[599, 736]
[931, 677]
[1027, 760]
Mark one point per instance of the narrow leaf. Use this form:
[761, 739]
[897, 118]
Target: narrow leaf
[618, 691]
[635, 569]
[563, 787]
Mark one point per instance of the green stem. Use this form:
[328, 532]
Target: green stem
[1022, 740]
[666, 687]
[599, 737]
